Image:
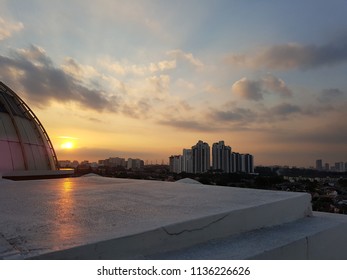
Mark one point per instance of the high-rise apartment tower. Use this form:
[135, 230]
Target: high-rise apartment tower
[201, 157]
[221, 157]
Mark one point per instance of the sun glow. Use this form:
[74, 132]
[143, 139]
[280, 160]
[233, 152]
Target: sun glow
[67, 145]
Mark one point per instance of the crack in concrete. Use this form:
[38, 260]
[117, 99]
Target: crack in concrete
[307, 247]
[195, 229]
[7, 249]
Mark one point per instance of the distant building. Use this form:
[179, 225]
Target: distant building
[201, 157]
[175, 165]
[221, 157]
[135, 164]
[327, 167]
[339, 167]
[68, 163]
[64, 163]
[319, 164]
[197, 160]
[336, 167]
[236, 162]
[247, 163]
[187, 161]
[115, 162]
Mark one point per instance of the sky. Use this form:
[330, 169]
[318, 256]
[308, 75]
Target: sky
[147, 78]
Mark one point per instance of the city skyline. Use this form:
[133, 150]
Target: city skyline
[201, 158]
[135, 79]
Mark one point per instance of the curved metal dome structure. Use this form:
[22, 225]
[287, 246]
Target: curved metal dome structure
[25, 147]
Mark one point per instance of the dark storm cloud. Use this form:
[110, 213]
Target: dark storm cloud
[32, 71]
[295, 56]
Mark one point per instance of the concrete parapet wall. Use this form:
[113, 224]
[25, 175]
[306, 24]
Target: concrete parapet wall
[319, 237]
[191, 232]
[326, 241]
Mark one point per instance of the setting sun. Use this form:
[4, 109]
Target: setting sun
[67, 145]
[67, 142]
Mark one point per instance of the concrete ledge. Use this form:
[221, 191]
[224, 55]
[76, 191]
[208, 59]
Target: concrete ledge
[322, 236]
[107, 218]
[326, 240]
[185, 234]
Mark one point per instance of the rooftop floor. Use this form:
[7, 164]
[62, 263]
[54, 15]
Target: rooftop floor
[108, 218]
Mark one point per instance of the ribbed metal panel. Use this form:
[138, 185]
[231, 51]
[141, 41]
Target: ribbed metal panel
[24, 143]
[6, 157]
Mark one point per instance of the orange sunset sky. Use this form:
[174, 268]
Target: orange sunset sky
[148, 78]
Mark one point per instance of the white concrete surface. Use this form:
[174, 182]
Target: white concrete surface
[321, 236]
[107, 218]
[188, 181]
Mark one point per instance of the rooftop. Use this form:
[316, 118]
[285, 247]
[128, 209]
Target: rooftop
[95, 217]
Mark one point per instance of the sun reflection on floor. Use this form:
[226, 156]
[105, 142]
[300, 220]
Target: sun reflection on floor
[68, 227]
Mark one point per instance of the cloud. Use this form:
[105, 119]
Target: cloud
[113, 66]
[239, 115]
[138, 110]
[185, 85]
[8, 28]
[263, 115]
[166, 64]
[255, 89]
[188, 57]
[126, 68]
[185, 105]
[284, 110]
[328, 95]
[79, 71]
[209, 88]
[294, 56]
[34, 73]
[248, 89]
[188, 125]
[71, 66]
[276, 85]
[160, 84]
